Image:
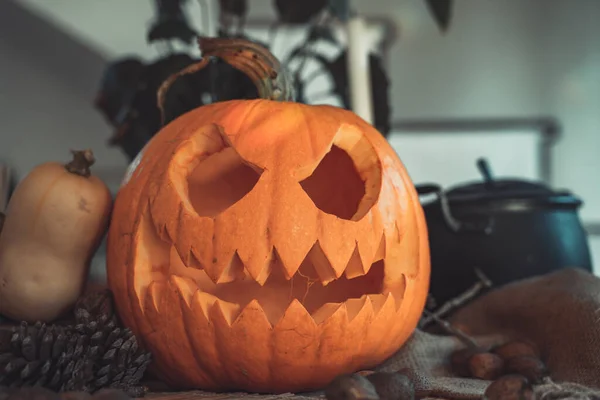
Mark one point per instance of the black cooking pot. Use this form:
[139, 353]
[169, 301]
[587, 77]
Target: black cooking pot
[508, 229]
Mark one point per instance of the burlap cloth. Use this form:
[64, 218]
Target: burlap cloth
[560, 312]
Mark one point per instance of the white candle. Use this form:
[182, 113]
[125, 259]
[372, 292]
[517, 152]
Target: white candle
[358, 69]
[210, 11]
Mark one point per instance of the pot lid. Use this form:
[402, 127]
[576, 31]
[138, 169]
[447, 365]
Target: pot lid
[504, 189]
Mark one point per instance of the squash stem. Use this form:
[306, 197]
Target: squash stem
[2, 218]
[256, 61]
[81, 163]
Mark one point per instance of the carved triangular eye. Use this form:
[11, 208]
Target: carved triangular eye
[335, 186]
[346, 183]
[221, 178]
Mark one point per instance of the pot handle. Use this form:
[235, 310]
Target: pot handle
[454, 224]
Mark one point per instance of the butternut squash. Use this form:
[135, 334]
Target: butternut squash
[54, 223]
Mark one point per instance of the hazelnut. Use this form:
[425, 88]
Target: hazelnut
[351, 387]
[530, 367]
[487, 366]
[509, 387]
[392, 386]
[459, 360]
[516, 348]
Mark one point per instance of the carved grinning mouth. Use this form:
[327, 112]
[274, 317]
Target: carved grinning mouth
[315, 284]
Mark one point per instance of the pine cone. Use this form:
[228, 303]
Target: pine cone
[91, 354]
[120, 362]
[42, 356]
[95, 306]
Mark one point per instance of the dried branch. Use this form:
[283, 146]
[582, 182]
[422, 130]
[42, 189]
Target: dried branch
[463, 337]
[459, 301]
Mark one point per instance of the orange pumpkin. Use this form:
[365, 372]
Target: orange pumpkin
[265, 245]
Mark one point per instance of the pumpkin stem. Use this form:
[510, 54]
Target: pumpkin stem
[256, 61]
[2, 218]
[81, 163]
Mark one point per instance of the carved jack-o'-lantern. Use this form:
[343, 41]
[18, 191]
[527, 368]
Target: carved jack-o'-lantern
[266, 245]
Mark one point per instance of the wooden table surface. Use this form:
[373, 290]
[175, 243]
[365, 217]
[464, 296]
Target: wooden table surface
[225, 396]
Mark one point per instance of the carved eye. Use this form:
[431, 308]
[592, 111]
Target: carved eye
[218, 177]
[346, 182]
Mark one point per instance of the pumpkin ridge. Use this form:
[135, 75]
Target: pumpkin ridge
[184, 293]
[151, 308]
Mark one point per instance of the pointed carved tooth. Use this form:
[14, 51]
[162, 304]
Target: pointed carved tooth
[337, 247]
[205, 302]
[274, 262]
[399, 232]
[185, 286]
[389, 305]
[258, 262]
[400, 259]
[233, 271]
[174, 226]
[151, 254]
[253, 313]
[219, 264]
[164, 204]
[397, 290]
[213, 307]
[381, 250]
[296, 317]
[364, 313]
[154, 295]
[408, 251]
[329, 310]
[202, 254]
[224, 311]
[160, 227]
[321, 265]
[353, 306]
[178, 268]
[377, 301]
[368, 245]
[191, 261]
[195, 247]
[163, 233]
[355, 265]
[293, 251]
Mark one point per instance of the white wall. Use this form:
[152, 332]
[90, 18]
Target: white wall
[503, 58]
[47, 85]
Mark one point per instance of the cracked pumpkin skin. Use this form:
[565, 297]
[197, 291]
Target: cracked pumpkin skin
[267, 246]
